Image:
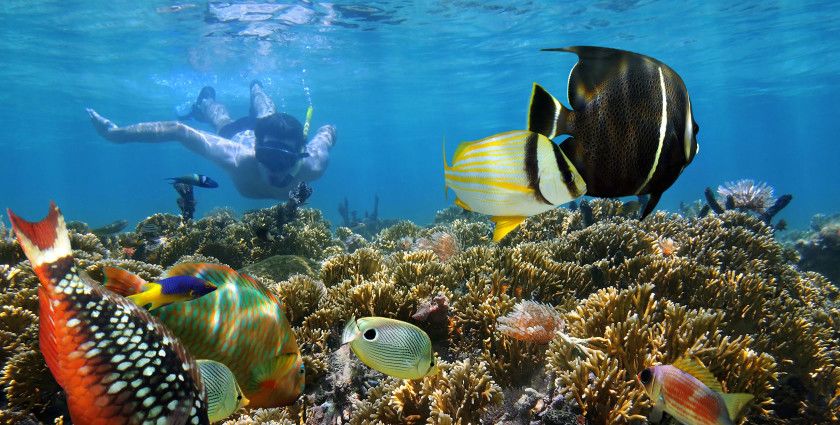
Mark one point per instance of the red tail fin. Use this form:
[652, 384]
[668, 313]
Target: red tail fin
[43, 242]
[123, 282]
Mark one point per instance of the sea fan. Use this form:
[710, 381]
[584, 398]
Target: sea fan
[531, 321]
[748, 195]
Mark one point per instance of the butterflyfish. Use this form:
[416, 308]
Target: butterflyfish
[393, 347]
[224, 397]
[511, 176]
[687, 391]
[153, 295]
[240, 324]
[631, 126]
[116, 363]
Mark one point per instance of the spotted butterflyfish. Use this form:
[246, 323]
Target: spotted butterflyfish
[688, 392]
[511, 176]
[153, 295]
[631, 126]
[240, 324]
[391, 346]
[116, 363]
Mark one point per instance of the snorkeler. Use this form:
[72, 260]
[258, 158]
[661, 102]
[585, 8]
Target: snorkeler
[265, 153]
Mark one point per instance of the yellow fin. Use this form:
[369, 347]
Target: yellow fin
[461, 204]
[505, 225]
[697, 370]
[735, 403]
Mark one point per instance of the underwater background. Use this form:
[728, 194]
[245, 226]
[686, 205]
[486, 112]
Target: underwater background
[553, 324]
[396, 78]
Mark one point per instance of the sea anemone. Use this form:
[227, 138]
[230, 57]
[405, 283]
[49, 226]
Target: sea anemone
[749, 195]
[531, 321]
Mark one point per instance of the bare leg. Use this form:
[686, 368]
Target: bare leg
[208, 110]
[261, 105]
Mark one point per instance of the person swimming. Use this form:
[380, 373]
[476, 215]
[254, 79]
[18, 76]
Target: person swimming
[265, 153]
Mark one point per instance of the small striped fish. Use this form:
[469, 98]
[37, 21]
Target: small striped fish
[511, 176]
[393, 347]
[224, 397]
[690, 393]
[116, 363]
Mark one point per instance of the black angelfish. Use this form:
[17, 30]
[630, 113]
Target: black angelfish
[631, 126]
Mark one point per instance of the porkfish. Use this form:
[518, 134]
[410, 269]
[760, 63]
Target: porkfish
[631, 126]
[240, 324]
[511, 176]
[690, 393]
[116, 363]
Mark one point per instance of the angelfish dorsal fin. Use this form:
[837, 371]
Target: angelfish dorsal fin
[698, 371]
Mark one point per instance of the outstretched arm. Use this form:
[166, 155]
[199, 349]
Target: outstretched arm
[318, 149]
[218, 149]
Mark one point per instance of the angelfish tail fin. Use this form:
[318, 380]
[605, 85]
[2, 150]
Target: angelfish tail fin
[546, 115]
[351, 331]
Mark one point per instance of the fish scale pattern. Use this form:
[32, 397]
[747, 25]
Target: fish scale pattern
[124, 363]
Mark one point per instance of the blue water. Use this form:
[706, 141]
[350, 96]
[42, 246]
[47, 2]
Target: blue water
[395, 78]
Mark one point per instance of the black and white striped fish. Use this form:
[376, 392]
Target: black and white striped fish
[631, 125]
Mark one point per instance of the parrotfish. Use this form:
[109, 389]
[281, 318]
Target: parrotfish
[199, 180]
[631, 124]
[116, 363]
[153, 295]
[110, 229]
[393, 347]
[690, 393]
[242, 325]
[511, 176]
[224, 397]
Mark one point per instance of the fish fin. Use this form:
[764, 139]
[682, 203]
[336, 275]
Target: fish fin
[559, 180]
[462, 204]
[505, 225]
[546, 115]
[351, 331]
[217, 275]
[655, 415]
[697, 370]
[445, 168]
[735, 403]
[595, 65]
[650, 204]
[123, 282]
[46, 243]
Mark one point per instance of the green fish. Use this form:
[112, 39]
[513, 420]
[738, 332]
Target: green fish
[224, 397]
[242, 325]
[393, 347]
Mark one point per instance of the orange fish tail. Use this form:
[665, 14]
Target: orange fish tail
[123, 282]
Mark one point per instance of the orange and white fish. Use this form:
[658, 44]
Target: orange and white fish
[117, 364]
[511, 176]
[688, 392]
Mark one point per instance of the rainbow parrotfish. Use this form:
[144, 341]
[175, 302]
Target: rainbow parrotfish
[239, 324]
[690, 393]
[116, 363]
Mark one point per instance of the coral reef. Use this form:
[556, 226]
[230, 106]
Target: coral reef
[615, 295]
[368, 225]
[749, 197]
[819, 249]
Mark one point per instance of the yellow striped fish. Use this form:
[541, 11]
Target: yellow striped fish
[511, 176]
[690, 393]
[393, 347]
[224, 397]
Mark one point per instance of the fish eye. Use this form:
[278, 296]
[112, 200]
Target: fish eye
[239, 397]
[646, 376]
[302, 369]
[370, 334]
